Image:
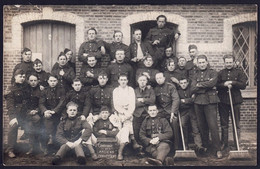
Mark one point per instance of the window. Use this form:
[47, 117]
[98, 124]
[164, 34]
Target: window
[245, 50]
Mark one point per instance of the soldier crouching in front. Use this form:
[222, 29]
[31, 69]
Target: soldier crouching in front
[155, 134]
[70, 133]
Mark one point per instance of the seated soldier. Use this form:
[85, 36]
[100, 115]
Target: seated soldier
[42, 75]
[148, 71]
[155, 134]
[78, 95]
[89, 72]
[71, 58]
[51, 105]
[70, 133]
[33, 115]
[102, 128]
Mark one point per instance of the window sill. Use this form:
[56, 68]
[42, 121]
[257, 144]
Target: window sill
[249, 92]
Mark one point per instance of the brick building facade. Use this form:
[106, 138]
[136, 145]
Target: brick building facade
[211, 27]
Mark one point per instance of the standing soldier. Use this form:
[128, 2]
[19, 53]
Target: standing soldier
[191, 65]
[118, 68]
[205, 103]
[26, 65]
[235, 79]
[98, 96]
[117, 44]
[42, 75]
[88, 74]
[161, 37]
[92, 47]
[139, 50]
[51, 105]
[167, 100]
[16, 105]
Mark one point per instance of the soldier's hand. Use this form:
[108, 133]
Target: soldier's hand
[89, 74]
[103, 50]
[47, 114]
[33, 112]
[70, 144]
[13, 121]
[62, 72]
[103, 132]
[85, 55]
[147, 75]
[173, 79]
[41, 87]
[113, 61]
[134, 59]
[183, 100]
[82, 117]
[140, 99]
[229, 86]
[156, 42]
[176, 36]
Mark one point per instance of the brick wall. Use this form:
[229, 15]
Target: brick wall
[204, 25]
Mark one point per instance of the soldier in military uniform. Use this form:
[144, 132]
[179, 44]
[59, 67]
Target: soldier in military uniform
[168, 55]
[118, 68]
[70, 133]
[92, 47]
[51, 105]
[235, 79]
[170, 74]
[205, 103]
[167, 100]
[16, 106]
[26, 65]
[191, 65]
[144, 97]
[77, 95]
[155, 134]
[33, 114]
[148, 71]
[98, 96]
[42, 75]
[117, 44]
[161, 37]
[88, 73]
[71, 59]
[139, 50]
[64, 73]
[180, 69]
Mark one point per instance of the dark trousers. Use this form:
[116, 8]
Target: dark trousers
[207, 121]
[50, 127]
[137, 122]
[159, 151]
[195, 128]
[224, 112]
[12, 134]
[34, 129]
[65, 148]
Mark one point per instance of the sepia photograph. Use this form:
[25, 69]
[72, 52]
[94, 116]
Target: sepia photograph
[129, 85]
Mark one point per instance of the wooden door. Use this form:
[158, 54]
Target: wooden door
[49, 39]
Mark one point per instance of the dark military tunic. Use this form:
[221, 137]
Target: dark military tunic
[207, 93]
[104, 125]
[69, 130]
[152, 72]
[89, 81]
[34, 97]
[52, 99]
[191, 68]
[167, 99]
[169, 74]
[98, 96]
[114, 46]
[66, 80]
[27, 68]
[238, 79]
[186, 95]
[43, 78]
[115, 69]
[155, 127]
[92, 48]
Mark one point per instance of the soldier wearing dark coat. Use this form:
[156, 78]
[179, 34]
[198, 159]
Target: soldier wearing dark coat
[51, 106]
[205, 103]
[64, 73]
[191, 64]
[42, 75]
[26, 65]
[91, 47]
[235, 79]
[168, 56]
[16, 101]
[161, 37]
[70, 133]
[155, 134]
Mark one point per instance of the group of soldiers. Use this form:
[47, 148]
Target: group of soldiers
[136, 99]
